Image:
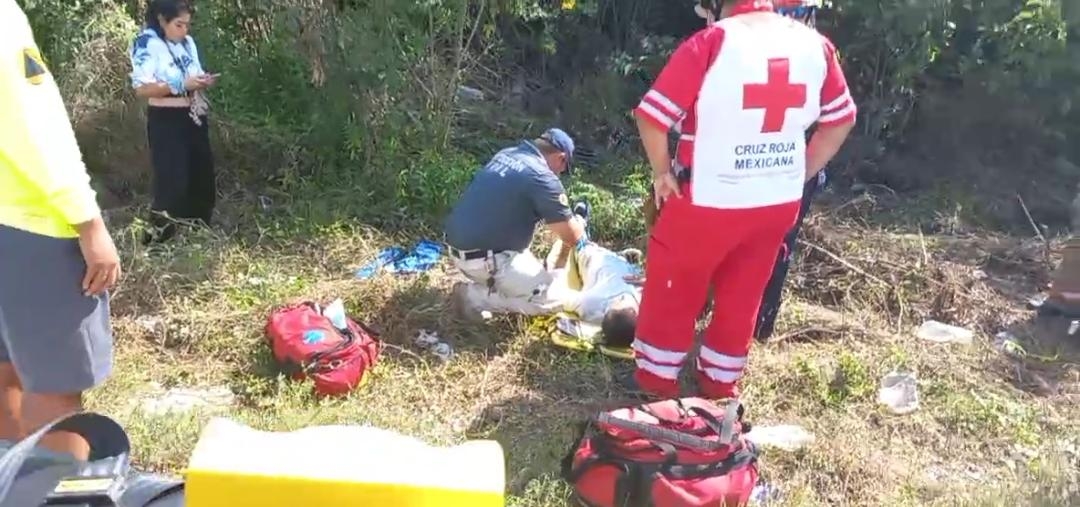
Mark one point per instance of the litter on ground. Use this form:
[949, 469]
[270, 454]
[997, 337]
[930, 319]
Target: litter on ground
[940, 332]
[787, 437]
[899, 392]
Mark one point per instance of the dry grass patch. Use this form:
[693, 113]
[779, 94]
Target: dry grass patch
[193, 316]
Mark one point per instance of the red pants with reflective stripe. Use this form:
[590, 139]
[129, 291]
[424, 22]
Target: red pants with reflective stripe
[690, 249]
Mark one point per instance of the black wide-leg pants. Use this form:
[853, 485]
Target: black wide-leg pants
[183, 180]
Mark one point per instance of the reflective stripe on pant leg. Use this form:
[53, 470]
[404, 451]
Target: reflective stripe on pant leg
[720, 367]
[659, 362]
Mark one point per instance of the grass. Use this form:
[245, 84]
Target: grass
[192, 315]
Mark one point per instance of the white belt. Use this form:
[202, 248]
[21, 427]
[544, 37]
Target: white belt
[170, 101]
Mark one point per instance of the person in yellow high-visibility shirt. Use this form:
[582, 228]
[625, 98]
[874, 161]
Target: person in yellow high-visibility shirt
[57, 260]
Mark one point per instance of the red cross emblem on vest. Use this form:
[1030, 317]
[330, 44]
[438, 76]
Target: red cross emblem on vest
[775, 96]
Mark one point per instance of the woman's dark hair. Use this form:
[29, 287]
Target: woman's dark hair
[168, 9]
[619, 327]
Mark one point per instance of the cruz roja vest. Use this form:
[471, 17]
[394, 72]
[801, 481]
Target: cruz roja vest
[758, 99]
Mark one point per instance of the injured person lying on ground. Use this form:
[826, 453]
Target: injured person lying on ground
[596, 288]
[599, 286]
[599, 292]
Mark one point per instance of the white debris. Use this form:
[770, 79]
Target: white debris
[787, 437]
[899, 392]
[184, 400]
[151, 323]
[765, 494]
[443, 351]
[431, 342]
[335, 311]
[939, 332]
[1007, 343]
[469, 93]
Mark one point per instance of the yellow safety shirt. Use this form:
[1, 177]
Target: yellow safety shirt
[44, 187]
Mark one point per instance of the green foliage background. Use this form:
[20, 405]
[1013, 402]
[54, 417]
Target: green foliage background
[355, 100]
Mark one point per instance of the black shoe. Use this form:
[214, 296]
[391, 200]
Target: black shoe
[627, 381]
[581, 209]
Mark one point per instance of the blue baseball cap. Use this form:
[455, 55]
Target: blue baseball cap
[561, 140]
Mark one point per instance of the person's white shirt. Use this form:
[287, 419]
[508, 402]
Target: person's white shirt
[604, 277]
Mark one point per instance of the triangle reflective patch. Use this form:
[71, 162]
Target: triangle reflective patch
[34, 66]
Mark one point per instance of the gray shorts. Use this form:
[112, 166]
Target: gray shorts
[59, 341]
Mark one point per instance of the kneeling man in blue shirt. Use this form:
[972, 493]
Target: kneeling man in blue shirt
[489, 231]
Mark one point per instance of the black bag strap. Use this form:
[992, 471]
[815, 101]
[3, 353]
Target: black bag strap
[746, 455]
[107, 439]
[347, 334]
[725, 429]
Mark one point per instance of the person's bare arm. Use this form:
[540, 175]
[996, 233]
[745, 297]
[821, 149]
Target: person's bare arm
[570, 232]
[665, 105]
[153, 90]
[837, 115]
[655, 142]
[824, 145]
[99, 253]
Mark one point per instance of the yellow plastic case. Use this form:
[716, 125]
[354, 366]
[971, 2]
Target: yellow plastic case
[348, 466]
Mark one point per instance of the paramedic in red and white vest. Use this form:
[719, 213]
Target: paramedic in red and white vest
[745, 90]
